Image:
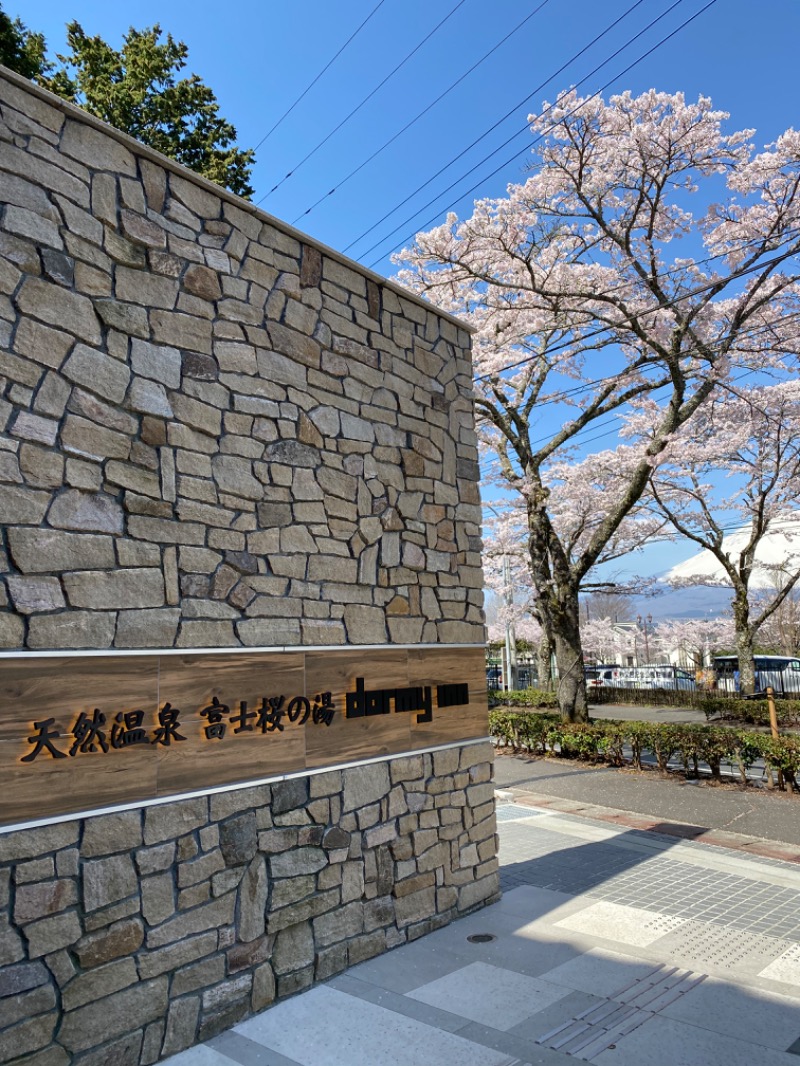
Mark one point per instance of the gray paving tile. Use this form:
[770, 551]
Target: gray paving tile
[246, 1052]
[666, 1042]
[557, 1014]
[514, 1044]
[490, 995]
[327, 1027]
[440, 1018]
[749, 1014]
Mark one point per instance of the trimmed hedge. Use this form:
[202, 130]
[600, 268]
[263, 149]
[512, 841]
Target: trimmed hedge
[727, 708]
[618, 743]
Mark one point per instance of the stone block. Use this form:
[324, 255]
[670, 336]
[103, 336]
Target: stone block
[99, 982]
[149, 397]
[158, 362]
[72, 629]
[142, 230]
[97, 372]
[22, 505]
[266, 632]
[181, 1025]
[27, 1037]
[37, 900]
[198, 975]
[170, 820]
[142, 287]
[294, 949]
[127, 318]
[297, 862]
[22, 977]
[110, 833]
[199, 920]
[415, 907]
[147, 628]
[128, 1050]
[182, 331]
[83, 438]
[238, 838]
[206, 634]
[201, 868]
[53, 305]
[106, 1018]
[107, 880]
[181, 953]
[41, 550]
[28, 843]
[340, 924]
[253, 894]
[137, 587]
[50, 934]
[202, 281]
[87, 512]
[35, 595]
[364, 785]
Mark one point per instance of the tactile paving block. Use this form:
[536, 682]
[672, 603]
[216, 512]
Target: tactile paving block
[718, 947]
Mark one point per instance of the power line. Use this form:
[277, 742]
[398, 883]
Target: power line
[422, 113]
[312, 83]
[499, 122]
[358, 107]
[503, 165]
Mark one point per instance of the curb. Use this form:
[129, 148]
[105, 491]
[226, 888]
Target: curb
[720, 838]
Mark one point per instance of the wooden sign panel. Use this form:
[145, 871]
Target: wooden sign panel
[80, 733]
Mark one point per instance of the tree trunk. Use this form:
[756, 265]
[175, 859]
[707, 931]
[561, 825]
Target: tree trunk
[571, 690]
[744, 642]
[747, 666]
[544, 654]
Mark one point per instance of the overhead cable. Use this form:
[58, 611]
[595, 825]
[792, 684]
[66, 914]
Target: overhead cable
[314, 81]
[358, 107]
[499, 122]
[343, 181]
[539, 137]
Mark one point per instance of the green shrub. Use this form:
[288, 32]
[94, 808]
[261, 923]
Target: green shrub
[618, 743]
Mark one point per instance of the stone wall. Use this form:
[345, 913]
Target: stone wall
[130, 936]
[214, 431]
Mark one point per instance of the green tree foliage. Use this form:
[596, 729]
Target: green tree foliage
[20, 49]
[137, 89]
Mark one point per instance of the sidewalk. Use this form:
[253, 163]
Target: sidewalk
[754, 815]
[610, 945]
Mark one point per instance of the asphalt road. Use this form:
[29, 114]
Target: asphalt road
[752, 813]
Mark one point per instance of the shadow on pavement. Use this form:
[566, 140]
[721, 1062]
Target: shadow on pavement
[577, 868]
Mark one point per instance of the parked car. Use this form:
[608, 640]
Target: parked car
[659, 676]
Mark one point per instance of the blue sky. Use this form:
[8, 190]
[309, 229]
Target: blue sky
[259, 56]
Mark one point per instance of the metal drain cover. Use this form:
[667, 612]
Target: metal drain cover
[481, 938]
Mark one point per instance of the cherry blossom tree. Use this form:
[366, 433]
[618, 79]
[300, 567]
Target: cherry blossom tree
[781, 631]
[693, 640]
[587, 293]
[508, 577]
[606, 641]
[754, 437]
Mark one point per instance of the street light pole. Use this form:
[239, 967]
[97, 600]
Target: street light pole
[643, 624]
[511, 637]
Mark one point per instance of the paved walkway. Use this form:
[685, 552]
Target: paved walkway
[610, 945]
[754, 816]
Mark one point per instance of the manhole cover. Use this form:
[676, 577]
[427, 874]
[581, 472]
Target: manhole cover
[481, 938]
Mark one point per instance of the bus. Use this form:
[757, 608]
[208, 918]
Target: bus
[780, 672]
